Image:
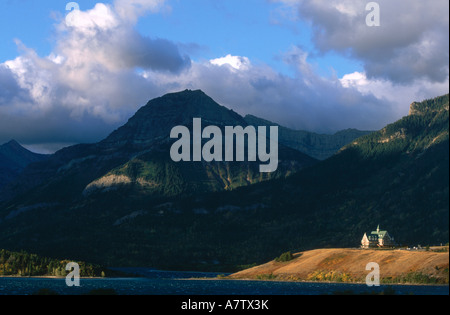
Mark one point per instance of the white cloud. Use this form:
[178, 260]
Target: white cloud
[131, 10]
[236, 62]
[345, 7]
[400, 95]
[100, 18]
[355, 79]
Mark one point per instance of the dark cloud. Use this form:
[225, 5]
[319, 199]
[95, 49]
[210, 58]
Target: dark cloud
[157, 54]
[54, 127]
[9, 88]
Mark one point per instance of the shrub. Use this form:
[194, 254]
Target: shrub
[266, 277]
[285, 257]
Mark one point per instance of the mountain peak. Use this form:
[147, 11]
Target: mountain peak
[12, 143]
[189, 91]
[437, 104]
[12, 146]
[186, 94]
[13, 159]
[15, 151]
[160, 115]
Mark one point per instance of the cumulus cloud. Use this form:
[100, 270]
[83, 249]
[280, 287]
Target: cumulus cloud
[89, 84]
[235, 62]
[410, 44]
[100, 36]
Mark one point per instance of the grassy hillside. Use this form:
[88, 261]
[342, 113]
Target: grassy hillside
[349, 265]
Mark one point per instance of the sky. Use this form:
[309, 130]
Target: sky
[72, 72]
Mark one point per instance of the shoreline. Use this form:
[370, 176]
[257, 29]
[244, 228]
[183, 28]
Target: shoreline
[54, 277]
[336, 282]
[231, 279]
[313, 282]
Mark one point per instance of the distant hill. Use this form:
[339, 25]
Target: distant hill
[319, 146]
[13, 160]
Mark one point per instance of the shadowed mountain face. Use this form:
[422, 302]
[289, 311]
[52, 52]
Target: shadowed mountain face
[13, 160]
[123, 202]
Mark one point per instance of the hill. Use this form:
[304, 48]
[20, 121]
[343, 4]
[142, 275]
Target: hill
[349, 265]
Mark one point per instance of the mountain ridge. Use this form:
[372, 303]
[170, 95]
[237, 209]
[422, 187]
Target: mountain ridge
[318, 146]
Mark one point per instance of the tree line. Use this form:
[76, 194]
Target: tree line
[31, 265]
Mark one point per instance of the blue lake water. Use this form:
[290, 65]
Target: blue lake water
[153, 282]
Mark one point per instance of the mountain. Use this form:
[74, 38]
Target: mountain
[318, 146]
[396, 178]
[13, 160]
[135, 159]
[154, 121]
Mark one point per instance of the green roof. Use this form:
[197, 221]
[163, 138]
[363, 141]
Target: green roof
[381, 234]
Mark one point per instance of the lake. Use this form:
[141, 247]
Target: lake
[153, 282]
